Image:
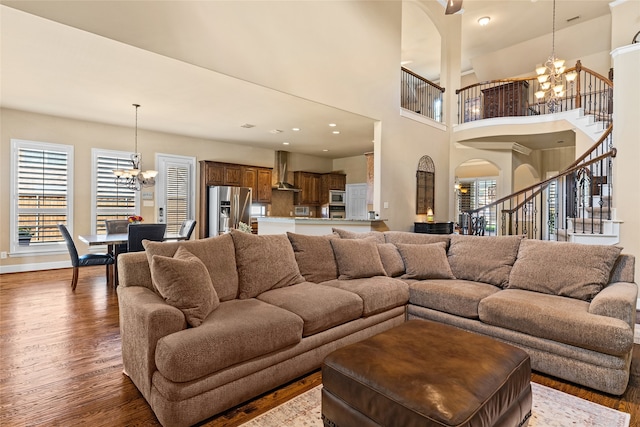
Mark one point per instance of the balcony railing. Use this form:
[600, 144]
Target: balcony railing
[516, 97]
[421, 96]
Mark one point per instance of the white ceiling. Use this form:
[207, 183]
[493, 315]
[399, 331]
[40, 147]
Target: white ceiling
[139, 52]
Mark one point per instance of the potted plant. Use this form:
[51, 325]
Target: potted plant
[24, 236]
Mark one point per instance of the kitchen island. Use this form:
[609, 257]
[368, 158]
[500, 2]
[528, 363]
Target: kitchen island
[316, 226]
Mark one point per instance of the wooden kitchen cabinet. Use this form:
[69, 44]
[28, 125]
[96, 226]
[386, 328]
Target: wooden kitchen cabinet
[331, 181]
[334, 181]
[506, 100]
[263, 186]
[259, 179]
[216, 173]
[310, 186]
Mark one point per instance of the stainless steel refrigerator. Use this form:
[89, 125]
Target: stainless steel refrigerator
[228, 206]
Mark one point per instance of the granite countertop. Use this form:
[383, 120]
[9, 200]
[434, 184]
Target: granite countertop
[311, 218]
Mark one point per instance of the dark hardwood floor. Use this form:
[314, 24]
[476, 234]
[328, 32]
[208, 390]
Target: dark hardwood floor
[61, 363]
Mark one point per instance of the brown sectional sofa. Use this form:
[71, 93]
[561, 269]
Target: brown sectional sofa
[208, 324]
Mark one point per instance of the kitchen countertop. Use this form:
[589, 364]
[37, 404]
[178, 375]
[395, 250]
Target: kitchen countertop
[311, 218]
[316, 226]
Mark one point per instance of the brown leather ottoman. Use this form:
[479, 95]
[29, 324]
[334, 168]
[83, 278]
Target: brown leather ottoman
[424, 373]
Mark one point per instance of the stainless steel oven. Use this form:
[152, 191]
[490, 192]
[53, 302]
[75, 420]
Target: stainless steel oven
[337, 212]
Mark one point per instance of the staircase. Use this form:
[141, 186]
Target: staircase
[575, 205]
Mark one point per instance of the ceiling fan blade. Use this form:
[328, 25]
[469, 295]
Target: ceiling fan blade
[453, 6]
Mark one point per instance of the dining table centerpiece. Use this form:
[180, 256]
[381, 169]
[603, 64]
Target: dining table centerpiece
[135, 219]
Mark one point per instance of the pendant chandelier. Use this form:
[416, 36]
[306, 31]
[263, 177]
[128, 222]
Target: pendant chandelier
[135, 178]
[551, 76]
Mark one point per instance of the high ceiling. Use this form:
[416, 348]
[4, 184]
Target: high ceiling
[137, 52]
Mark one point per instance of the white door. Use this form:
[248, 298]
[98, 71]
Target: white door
[356, 201]
[176, 190]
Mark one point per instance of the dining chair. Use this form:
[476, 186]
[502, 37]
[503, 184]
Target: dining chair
[84, 260]
[140, 232]
[187, 227]
[117, 226]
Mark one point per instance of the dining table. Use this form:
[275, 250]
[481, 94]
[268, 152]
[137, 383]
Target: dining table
[113, 242]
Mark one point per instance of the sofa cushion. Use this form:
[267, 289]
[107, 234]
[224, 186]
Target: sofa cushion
[457, 297]
[396, 237]
[378, 293]
[566, 320]
[391, 259]
[562, 268]
[320, 307]
[357, 258]
[183, 281]
[346, 234]
[486, 259]
[314, 255]
[237, 331]
[425, 261]
[264, 262]
[216, 253]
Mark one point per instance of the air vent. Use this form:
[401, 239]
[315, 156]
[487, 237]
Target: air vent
[276, 131]
[247, 126]
[573, 19]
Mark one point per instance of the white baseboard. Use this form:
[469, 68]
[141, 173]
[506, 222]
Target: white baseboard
[20, 268]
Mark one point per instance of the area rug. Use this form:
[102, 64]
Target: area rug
[551, 408]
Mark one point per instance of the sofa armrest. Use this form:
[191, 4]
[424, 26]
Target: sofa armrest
[133, 270]
[617, 300]
[144, 318]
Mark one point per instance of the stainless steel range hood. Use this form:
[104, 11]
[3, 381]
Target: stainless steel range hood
[282, 158]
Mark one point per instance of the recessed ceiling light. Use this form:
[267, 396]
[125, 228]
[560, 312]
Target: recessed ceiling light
[333, 125]
[484, 21]
[325, 150]
[295, 129]
[285, 143]
[335, 132]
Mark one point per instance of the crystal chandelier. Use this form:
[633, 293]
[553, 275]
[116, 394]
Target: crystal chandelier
[551, 75]
[135, 178]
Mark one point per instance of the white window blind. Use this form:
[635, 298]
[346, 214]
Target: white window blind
[110, 200]
[42, 192]
[177, 197]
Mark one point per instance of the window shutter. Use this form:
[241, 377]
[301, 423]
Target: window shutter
[42, 192]
[177, 197]
[112, 201]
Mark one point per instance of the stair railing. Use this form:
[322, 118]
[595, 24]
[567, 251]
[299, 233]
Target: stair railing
[516, 97]
[577, 200]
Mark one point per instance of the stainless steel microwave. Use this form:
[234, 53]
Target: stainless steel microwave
[337, 197]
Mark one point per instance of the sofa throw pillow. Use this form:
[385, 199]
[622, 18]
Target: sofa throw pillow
[314, 255]
[183, 281]
[561, 268]
[425, 261]
[486, 259]
[396, 237]
[264, 263]
[357, 258]
[346, 234]
[216, 253]
[391, 259]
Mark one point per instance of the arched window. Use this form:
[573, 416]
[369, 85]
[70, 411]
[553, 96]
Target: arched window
[425, 185]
